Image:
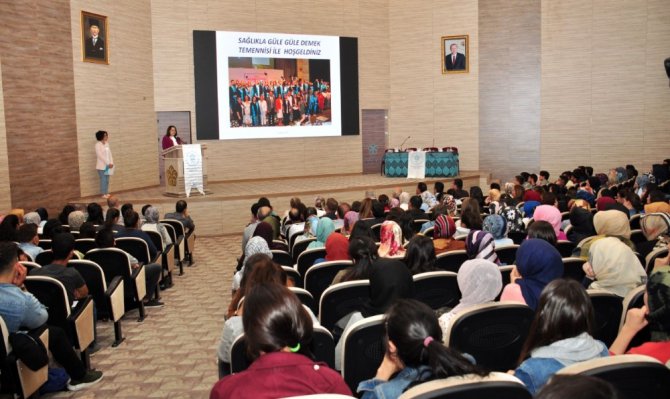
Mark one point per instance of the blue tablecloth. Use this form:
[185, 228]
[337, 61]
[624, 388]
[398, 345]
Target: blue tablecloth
[438, 164]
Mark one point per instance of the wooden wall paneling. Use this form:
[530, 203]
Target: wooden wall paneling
[5, 189]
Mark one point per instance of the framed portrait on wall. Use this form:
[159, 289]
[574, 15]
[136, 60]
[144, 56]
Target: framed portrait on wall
[94, 38]
[455, 54]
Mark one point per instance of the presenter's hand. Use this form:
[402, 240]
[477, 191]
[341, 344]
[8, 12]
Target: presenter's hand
[111, 165]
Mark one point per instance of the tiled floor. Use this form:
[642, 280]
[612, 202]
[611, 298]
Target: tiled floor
[172, 354]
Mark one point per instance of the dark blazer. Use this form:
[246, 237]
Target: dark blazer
[97, 51]
[458, 66]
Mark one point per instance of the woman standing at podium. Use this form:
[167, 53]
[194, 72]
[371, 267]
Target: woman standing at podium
[104, 162]
[171, 139]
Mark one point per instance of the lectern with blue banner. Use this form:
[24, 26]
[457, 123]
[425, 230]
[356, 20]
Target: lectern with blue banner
[438, 163]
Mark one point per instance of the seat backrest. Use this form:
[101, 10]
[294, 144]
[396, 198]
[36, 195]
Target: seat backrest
[429, 232]
[299, 247]
[572, 268]
[239, 359]
[517, 236]
[137, 247]
[177, 225]
[494, 385]
[506, 273]
[305, 297]
[4, 341]
[52, 294]
[651, 258]
[84, 245]
[320, 276]
[451, 261]
[363, 350]
[637, 236]
[565, 248]
[307, 258]
[293, 274]
[323, 346]
[607, 309]
[156, 239]
[634, 376]
[283, 258]
[30, 265]
[635, 299]
[634, 222]
[44, 258]
[45, 243]
[114, 262]
[437, 289]
[376, 231]
[339, 300]
[94, 277]
[171, 231]
[507, 254]
[492, 333]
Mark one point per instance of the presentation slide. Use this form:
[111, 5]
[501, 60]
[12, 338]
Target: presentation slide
[273, 85]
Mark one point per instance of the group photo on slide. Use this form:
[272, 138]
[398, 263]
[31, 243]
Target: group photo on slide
[262, 97]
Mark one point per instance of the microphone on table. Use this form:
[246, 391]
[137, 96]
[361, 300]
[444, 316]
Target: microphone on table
[404, 141]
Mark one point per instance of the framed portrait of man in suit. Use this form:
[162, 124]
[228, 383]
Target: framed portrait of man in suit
[94, 38]
[455, 54]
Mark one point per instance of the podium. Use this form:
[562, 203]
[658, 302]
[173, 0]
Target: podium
[174, 171]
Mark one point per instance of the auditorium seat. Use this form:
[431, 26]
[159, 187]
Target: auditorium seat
[282, 258]
[635, 299]
[299, 247]
[30, 265]
[572, 268]
[320, 276]
[437, 289]
[494, 385]
[634, 376]
[637, 237]
[517, 237]
[305, 298]
[27, 381]
[44, 258]
[362, 350]
[177, 241]
[293, 275]
[507, 254]
[306, 259]
[451, 261]
[565, 248]
[84, 245]
[492, 333]
[607, 309]
[635, 221]
[651, 258]
[339, 300]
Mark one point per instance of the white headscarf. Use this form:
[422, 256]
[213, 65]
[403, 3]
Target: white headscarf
[615, 266]
[480, 282]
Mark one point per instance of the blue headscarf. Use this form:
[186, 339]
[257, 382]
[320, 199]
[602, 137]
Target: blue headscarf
[539, 263]
[529, 208]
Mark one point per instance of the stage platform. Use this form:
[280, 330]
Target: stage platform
[226, 211]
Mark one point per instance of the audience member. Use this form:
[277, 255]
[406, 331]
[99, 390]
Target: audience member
[443, 233]
[414, 353]
[656, 202]
[152, 223]
[560, 334]
[391, 240]
[614, 267]
[181, 214]
[256, 245]
[581, 221]
[249, 229]
[552, 215]
[363, 252]
[456, 189]
[420, 255]
[95, 214]
[542, 230]
[323, 230]
[75, 219]
[62, 246]
[9, 228]
[131, 222]
[87, 230]
[610, 223]
[480, 245]
[29, 240]
[496, 225]
[65, 213]
[653, 226]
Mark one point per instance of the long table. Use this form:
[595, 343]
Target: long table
[438, 164]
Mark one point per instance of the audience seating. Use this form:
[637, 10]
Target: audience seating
[339, 300]
[188, 240]
[507, 254]
[299, 247]
[44, 243]
[178, 242]
[635, 299]
[114, 262]
[167, 257]
[376, 231]
[651, 259]
[565, 248]
[320, 276]
[293, 275]
[607, 308]
[291, 240]
[637, 237]
[417, 223]
[76, 321]
[44, 258]
[635, 221]
[517, 237]
[495, 385]
[451, 261]
[280, 243]
[634, 376]
[437, 289]
[572, 268]
[492, 333]
[282, 258]
[136, 247]
[506, 272]
[306, 298]
[362, 350]
[30, 265]
[13, 371]
[307, 258]
[429, 232]
[109, 301]
[84, 245]
[565, 216]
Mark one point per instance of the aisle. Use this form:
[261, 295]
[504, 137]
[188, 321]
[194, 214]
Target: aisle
[172, 354]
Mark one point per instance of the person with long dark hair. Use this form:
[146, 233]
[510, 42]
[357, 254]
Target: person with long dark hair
[278, 331]
[560, 334]
[171, 138]
[420, 255]
[414, 353]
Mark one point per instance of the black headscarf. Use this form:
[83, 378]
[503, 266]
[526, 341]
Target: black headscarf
[582, 225]
[390, 280]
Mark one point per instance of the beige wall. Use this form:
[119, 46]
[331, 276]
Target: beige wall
[117, 97]
[173, 24]
[5, 190]
[605, 95]
[425, 104]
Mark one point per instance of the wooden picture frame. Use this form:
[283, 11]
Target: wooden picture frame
[458, 61]
[94, 50]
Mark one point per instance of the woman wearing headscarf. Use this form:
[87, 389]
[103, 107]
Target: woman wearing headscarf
[255, 245]
[480, 282]
[603, 202]
[391, 240]
[497, 226]
[479, 245]
[404, 200]
[323, 230]
[265, 231]
[614, 267]
[552, 215]
[513, 218]
[581, 221]
[337, 248]
[390, 280]
[443, 233]
[653, 225]
[428, 200]
[529, 209]
[656, 314]
[537, 264]
[493, 201]
[152, 223]
[611, 223]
